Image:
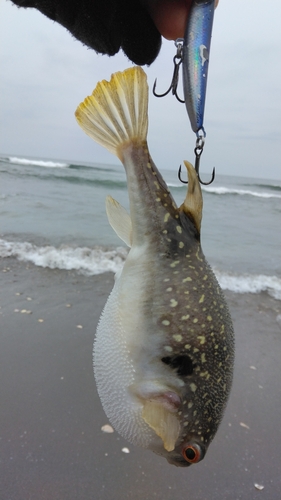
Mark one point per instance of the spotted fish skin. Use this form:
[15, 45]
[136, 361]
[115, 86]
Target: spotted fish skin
[164, 350]
[184, 302]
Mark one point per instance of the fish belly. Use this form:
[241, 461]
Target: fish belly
[120, 351]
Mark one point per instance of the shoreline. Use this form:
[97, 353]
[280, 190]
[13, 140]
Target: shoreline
[51, 439]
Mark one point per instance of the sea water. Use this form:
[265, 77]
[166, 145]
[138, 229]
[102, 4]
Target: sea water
[52, 213]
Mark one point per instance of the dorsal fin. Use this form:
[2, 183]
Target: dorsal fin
[193, 203]
[116, 112]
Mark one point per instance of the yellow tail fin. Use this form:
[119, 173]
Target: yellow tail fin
[116, 112]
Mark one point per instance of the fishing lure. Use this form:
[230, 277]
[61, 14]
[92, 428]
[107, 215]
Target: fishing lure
[193, 54]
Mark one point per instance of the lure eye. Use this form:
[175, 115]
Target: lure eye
[192, 453]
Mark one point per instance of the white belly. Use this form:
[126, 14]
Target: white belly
[115, 356]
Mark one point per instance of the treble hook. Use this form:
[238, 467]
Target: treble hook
[175, 79]
[200, 141]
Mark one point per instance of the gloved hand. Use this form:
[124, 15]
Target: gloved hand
[135, 26]
[105, 25]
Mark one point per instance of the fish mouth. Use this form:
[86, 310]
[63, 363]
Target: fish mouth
[178, 461]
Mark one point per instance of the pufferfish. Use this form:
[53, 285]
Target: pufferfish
[164, 347]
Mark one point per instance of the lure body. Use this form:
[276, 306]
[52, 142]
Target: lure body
[196, 51]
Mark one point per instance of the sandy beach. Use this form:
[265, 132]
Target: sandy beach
[52, 445]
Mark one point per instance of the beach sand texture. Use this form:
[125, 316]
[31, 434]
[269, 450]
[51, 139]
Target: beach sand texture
[52, 445]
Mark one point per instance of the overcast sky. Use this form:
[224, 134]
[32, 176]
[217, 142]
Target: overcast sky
[46, 73]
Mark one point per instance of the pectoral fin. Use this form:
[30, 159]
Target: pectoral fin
[163, 422]
[119, 220]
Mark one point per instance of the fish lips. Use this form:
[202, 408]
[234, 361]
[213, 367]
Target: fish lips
[178, 461]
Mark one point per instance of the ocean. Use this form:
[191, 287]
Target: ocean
[53, 215]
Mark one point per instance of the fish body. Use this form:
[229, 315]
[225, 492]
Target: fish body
[196, 51]
[163, 353]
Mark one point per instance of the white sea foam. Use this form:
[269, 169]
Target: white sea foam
[250, 283]
[90, 261]
[87, 261]
[172, 184]
[241, 192]
[38, 163]
[222, 190]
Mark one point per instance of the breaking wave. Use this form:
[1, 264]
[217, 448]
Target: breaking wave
[97, 260]
[173, 185]
[240, 192]
[38, 163]
[88, 261]
[249, 283]
[222, 190]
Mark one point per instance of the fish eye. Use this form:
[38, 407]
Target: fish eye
[192, 453]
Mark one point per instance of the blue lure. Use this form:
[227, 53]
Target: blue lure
[195, 59]
[193, 54]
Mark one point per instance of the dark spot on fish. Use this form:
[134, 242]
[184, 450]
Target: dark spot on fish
[183, 364]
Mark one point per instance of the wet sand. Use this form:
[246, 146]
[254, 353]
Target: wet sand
[52, 446]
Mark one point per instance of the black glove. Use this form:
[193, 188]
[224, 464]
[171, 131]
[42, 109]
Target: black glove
[105, 25]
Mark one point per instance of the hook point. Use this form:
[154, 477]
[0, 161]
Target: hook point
[179, 176]
[212, 178]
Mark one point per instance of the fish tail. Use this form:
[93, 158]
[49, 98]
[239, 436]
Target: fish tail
[116, 112]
